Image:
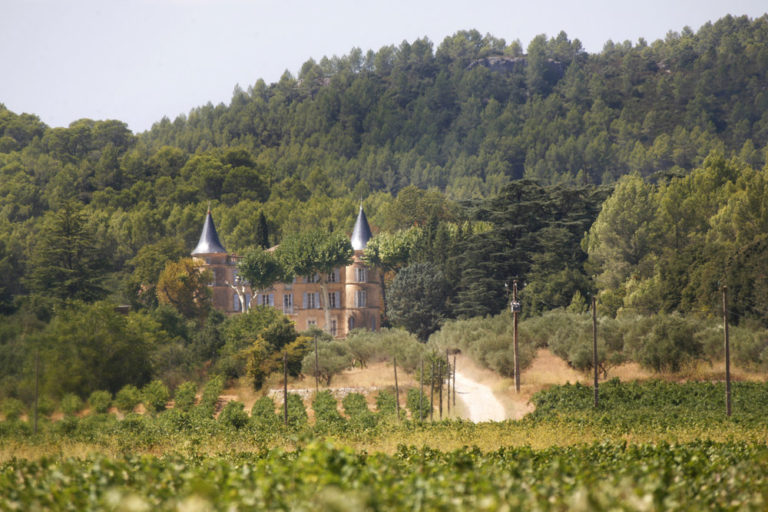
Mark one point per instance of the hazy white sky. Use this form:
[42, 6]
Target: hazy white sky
[140, 60]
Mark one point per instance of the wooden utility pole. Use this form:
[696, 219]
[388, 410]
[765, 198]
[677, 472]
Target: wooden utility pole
[440, 381]
[317, 369]
[37, 386]
[727, 354]
[515, 309]
[397, 389]
[448, 362]
[421, 392]
[285, 388]
[594, 345]
[432, 392]
[454, 381]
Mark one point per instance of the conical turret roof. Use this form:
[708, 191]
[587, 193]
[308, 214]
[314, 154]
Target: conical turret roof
[209, 240]
[361, 232]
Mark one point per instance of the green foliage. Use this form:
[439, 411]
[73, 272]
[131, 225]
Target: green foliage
[127, 398]
[155, 395]
[71, 404]
[183, 284]
[297, 413]
[325, 407]
[604, 476]
[417, 402]
[669, 344]
[65, 262]
[261, 268]
[333, 358]
[263, 413]
[385, 403]
[210, 396]
[382, 346]
[94, 347]
[99, 401]
[12, 408]
[234, 415]
[184, 396]
[489, 341]
[417, 299]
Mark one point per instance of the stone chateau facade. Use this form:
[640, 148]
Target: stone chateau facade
[354, 291]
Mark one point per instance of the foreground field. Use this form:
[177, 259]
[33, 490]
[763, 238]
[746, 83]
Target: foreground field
[694, 476]
[652, 445]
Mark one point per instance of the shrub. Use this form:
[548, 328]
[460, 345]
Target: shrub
[211, 393]
[100, 401]
[71, 404]
[234, 415]
[354, 405]
[184, 397]
[333, 358]
[297, 413]
[488, 341]
[415, 401]
[127, 399]
[371, 347]
[12, 408]
[325, 407]
[263, 412]
[155, 395]
[385, 403]
[669, 345]
[356, 409]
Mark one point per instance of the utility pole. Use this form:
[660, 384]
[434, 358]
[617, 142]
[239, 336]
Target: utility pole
[515, 307]
[397, 389]
[594, 344]
[317, 369]
[448, 361]
[454, 381]
[285, 388]
[440, 380]
[37, 386]
[432, 393]
[421, 392]
[727, 354]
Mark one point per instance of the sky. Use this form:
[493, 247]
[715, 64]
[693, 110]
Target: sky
[141, 60]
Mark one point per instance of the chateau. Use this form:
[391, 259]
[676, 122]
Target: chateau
[354, 291]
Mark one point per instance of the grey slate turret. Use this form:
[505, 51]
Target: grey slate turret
[361, 232]
[209, 240]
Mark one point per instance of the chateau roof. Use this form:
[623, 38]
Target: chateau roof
[361, 232]
[209, 240]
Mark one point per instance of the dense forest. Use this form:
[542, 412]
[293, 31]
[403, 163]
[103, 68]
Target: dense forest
[637, 173]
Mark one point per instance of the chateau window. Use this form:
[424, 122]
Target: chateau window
[265, 299]
[373, 323]
[351, 323]
[236, 302]
[334, 299]
[248, 300]
[311, 300]
[361, 274]
[312, 279]
[360, 298]
[311, 323]
[333, 327]
[333, 277]
[288, 303]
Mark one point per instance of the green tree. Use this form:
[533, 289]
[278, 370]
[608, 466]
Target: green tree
[316, 252]
[65, 262]
[184, 285]
[261, 269]
[417, 299]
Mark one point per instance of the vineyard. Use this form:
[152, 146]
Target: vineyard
[694, 476]
[649, 446]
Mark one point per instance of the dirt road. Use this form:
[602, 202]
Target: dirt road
[479, 400]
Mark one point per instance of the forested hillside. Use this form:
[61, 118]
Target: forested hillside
[634, 172]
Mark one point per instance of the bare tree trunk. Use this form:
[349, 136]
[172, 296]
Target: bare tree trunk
[240, 291]
[324, 303]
